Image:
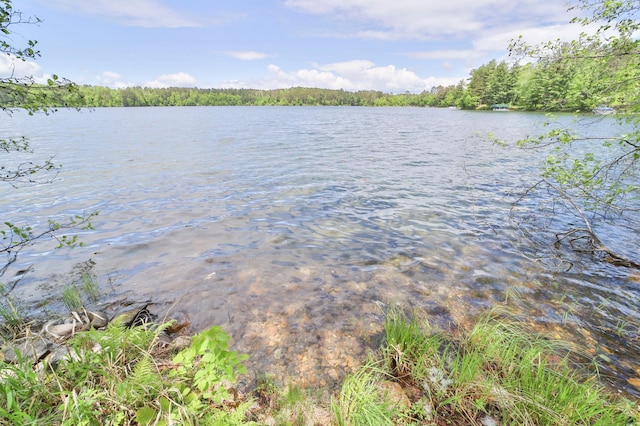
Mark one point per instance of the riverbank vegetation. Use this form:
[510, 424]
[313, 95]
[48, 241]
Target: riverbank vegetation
[494, 373]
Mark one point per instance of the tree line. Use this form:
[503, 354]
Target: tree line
[549, 84]
[96, 96]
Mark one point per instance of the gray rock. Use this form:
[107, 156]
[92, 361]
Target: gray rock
[58, 354]
[97, 319]
[62, 331]
[180, 342]
[489, 421]
[31, 349]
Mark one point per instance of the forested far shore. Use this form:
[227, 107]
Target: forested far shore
[543, 86]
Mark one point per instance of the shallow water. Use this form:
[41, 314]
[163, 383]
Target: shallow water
[294, 228]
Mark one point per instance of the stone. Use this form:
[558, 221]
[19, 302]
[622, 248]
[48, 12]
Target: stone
[134, 317]
[181, 342]
[97, 319]
[60, 354]
[277, 354]
[395, 394]
[63, 331]
[489, 421]
[634, 381]
[32, 349]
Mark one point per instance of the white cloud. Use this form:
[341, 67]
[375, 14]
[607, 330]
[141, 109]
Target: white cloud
[10, 66]
[532, 35]
[246, 55]
[351, 75]
[111, 79]
[428, 19]
[378, 35]
[135, 13]
[447, 66]
[495, 44]
[180, 79]
[443, 54]
[349, 68]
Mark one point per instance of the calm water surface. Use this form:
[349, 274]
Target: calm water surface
[294, 228]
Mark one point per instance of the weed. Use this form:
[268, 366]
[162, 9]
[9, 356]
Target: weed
[496, 370]
[114, 377]
[71, 298]
[361, 401]
[214, 367]
[13, 320]
[84, 289]
[90, 287]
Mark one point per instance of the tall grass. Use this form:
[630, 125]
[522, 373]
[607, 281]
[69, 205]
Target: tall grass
[497, 371]
[12, 319]
[75, 294]
[361, 401]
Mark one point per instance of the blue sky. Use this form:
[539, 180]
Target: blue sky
[388, 45]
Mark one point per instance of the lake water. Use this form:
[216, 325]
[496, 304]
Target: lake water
[295, 227]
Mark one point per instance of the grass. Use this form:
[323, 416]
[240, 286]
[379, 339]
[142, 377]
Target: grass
[75, 294]
[496, 370]
[123, 376]
[12, 319]
[420, 376]
[361, 401]
[89, 286]
[71, 298]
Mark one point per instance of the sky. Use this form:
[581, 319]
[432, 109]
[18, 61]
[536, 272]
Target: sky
[393, 46]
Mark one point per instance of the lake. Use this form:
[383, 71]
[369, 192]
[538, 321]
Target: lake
[294, 228]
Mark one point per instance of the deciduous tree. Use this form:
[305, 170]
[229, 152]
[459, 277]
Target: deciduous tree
[594, 177]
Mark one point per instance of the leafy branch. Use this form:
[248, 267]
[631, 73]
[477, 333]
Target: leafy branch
[591, 243]
[594, 187]
[15, 238]
[594, 178]
[10, 17]
[23, 92]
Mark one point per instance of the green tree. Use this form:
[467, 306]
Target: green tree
[592, 177]
[493, 83]
[479, 81]
[23, 92]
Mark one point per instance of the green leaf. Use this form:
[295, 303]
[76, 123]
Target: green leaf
[146, 415]
[165, 405]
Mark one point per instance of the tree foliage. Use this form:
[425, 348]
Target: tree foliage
[96, 96]
[494, 83]
[595, 178]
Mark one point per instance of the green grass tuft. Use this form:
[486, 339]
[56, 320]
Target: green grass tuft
[498, 370]
[71, 298]
[361, 399]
